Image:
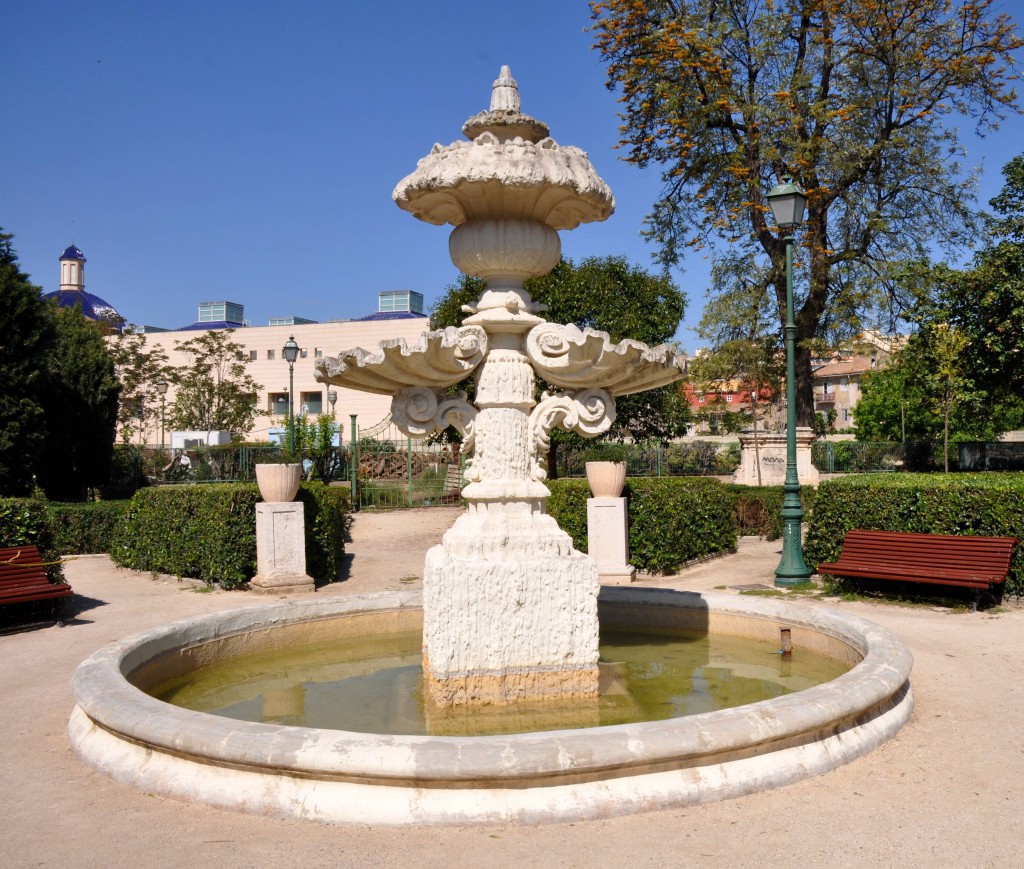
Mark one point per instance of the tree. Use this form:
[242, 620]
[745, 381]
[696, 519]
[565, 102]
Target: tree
[138, 368]
[26, 338]
[755, 363]
[214, 390]
[986, 302]
[80, 399]
[609, 294]
[848, 97]
[948, 378]
[908, 400]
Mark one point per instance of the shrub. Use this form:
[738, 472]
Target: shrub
[79, 529]
[208, 532]
[26, 522]
[672, 520]
[127, 473]
[986, 504]
[758, 509]
[568, 505]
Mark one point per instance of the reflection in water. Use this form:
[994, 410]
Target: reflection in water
[374, 685]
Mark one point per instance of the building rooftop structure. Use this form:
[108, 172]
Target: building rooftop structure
[72, 290]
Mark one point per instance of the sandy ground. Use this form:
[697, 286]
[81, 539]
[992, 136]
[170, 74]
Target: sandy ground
[947, 791]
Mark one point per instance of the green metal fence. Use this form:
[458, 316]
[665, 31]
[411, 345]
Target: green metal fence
[652, 459]
[392, 470]
[859, 457]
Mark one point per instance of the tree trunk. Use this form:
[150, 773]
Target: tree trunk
[552, 461]
[945, 433]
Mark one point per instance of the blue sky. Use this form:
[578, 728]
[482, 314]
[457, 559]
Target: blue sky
[207, 151]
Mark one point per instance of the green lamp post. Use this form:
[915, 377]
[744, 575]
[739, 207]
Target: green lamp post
[161, 387]
[787, 202]
[290, 352]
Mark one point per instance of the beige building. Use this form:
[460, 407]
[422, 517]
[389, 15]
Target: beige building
[837, 387]
[400, 315]
[837, 381]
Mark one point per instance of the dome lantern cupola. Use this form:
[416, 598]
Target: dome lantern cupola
[72, 270]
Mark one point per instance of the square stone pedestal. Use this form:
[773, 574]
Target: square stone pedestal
[770, 450]
[281, 549]
[608, 540]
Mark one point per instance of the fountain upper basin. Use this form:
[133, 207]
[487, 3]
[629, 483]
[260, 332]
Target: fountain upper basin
[339, 776]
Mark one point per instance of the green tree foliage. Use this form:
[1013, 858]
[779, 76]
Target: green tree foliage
[986, 302]
[314, 441]
[609, 294]
[947, 379]
[214, 390]
[852, 98]
[909, 399]
[26, 339]
[80, 402]
[139, 367]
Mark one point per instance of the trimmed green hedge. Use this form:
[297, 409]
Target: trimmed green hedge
[672, 520]
[208, 532]
[988, 504]
[81, 529]
[26, 522]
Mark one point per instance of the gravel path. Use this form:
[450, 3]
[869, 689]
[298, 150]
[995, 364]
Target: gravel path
[947, 791]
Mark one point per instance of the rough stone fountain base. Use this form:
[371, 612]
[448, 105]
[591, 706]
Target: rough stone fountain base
[568, 775]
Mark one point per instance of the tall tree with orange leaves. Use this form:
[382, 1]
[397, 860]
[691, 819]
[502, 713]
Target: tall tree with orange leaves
[857, 100]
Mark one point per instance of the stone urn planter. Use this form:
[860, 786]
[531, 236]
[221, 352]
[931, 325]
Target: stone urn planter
[606, 479]
[279, 483]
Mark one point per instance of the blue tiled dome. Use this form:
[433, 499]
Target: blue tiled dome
[93, 307]
[72, 252]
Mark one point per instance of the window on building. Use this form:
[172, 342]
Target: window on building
[318, 353]
[826, 387]
[700, 399]
[303, 353]
[271, 354]
[312, 402]
[729, 397]
[253, 355]
[277, 403]
[846, 415]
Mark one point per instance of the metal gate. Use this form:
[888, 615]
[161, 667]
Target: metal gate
[392, 470]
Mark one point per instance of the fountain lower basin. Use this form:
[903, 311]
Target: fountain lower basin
[338, 776]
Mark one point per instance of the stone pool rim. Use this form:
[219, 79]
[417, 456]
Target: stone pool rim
[333, 775]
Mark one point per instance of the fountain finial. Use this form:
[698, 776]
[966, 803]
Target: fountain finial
[504, 119]
[505, 92]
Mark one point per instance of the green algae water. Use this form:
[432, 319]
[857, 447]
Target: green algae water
[375, 685]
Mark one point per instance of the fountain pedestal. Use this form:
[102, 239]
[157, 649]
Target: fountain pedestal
[509, 611]
[509, 607]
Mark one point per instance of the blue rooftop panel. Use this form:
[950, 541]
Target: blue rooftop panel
[72, 252]
[216, 324]
[394, 315]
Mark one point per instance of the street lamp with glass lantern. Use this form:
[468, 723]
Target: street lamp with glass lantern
[161, 387]
[787, 202]
[290, 352]
[332, 397]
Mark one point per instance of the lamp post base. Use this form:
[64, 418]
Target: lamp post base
[792, 570]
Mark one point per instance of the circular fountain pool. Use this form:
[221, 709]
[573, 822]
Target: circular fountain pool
[566, 774]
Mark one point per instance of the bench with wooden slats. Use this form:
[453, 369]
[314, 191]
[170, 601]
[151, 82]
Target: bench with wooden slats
[23, 578]
[978, 563]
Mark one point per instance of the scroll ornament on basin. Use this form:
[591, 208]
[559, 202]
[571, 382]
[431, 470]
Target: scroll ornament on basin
[573, 358]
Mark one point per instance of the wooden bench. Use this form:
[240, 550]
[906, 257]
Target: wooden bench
[978, 563]
[23, 579]
[451, 491]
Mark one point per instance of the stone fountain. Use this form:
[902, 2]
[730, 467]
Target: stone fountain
[510, 608]
[509, 611]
